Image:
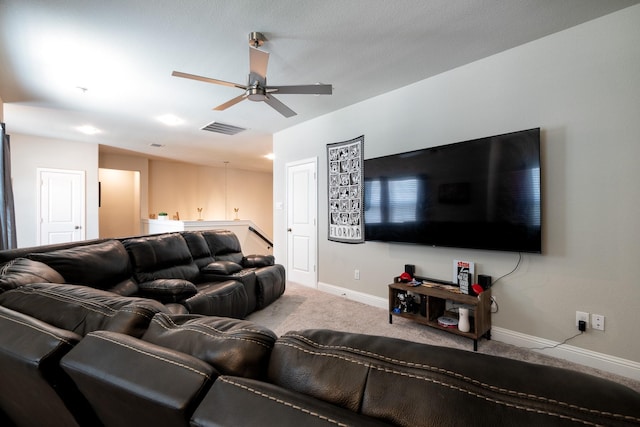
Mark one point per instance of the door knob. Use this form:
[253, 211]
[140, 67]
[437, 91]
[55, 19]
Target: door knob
[77, 227]
[288, 230]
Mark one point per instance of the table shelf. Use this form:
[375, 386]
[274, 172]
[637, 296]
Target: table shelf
[433, 304]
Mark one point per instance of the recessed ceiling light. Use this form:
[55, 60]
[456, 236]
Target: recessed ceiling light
[88, 129]
[170, 120]
[270, 156]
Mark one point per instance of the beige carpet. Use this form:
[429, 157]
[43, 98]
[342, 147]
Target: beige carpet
[305, 308]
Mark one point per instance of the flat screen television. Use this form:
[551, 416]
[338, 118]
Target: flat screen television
[480, 194]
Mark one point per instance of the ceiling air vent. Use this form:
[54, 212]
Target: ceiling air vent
[223, 128]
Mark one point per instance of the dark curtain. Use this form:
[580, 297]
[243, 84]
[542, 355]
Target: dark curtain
[7, 212]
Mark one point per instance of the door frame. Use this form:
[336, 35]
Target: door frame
[314, 162]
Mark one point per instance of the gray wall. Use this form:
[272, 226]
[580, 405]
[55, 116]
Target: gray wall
[581, 87]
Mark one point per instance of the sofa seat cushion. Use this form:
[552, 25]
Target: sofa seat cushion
[130, 382]
[406, 383]
[234, 401]
[22, 271]
[82, 309]
[100, 265]
[167, 290]
[164, 256]
[232, 346]
[225, 299]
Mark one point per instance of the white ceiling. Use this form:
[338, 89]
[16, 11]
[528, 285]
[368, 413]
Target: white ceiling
[123, 53]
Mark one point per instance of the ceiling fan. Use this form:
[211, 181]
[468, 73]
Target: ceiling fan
[256, 88]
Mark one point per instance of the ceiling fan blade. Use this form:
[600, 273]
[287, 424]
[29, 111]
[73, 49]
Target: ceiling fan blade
[230, 103]
[317, 89]
[207, 80]
[258, 61]
[279, 106]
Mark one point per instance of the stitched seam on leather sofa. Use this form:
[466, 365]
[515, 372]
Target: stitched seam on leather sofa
[155, 356]
[463, 377]
[454, 387]
[88, 304]
[225, 335]
[257, 331]
[44, 331]
[280, 401]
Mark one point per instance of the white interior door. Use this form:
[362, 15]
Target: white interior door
[62, 206]
[302, 234]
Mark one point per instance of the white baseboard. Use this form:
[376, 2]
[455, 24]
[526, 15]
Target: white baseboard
[354, 295]
[593, 359]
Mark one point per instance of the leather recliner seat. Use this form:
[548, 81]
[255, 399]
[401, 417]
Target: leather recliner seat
[164, 269]
[263, 278]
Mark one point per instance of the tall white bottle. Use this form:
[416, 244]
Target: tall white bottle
[463, 320]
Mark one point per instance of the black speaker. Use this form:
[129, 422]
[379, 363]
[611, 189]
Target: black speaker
[484, 281]
[411, 269]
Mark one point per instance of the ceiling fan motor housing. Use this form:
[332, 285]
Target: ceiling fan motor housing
[256, 39]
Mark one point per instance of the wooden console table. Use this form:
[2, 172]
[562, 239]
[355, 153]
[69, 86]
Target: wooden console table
[433, 301]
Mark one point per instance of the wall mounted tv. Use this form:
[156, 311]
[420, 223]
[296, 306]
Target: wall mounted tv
[480, 194]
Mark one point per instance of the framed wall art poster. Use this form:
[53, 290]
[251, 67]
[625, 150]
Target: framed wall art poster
[345, 161]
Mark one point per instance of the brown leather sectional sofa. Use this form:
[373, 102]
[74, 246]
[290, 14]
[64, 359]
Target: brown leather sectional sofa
[75, 355]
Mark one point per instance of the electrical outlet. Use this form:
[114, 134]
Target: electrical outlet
[356, 274]
[597, 322]
[581, 315]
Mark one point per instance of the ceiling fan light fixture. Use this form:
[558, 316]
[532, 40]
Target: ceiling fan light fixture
[256, 93]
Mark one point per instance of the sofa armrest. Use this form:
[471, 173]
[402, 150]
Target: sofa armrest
[221, 268]
[246, 276]
[258, 261]
[167, 290]
[270, 284]
[246, 402]
[132, 382]
[33, 388]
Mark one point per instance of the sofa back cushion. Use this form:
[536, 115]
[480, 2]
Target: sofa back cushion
[232, 346]
[22, 271]
[101, 265]
[405, 383]
[164, 256]
[224, 245]
[82, 309]
[198, 248]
